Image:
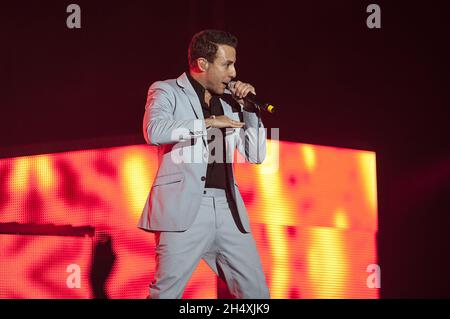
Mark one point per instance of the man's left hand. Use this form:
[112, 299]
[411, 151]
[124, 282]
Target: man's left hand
[240, 91]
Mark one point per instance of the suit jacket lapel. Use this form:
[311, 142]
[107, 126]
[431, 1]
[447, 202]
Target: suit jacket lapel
[184, 83]
[226, 109]
[187, 88]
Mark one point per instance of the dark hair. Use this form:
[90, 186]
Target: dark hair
[204, 44]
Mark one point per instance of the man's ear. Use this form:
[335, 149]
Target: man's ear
[203, 64]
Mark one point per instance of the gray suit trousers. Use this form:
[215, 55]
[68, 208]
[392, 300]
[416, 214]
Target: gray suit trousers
[214, 237]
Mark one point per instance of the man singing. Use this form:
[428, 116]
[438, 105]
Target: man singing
[194, 207]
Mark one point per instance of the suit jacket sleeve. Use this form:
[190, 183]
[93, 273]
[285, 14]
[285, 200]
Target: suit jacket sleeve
[159, 125]
[251, 140]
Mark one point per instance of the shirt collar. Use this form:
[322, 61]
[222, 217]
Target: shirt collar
[199, 89]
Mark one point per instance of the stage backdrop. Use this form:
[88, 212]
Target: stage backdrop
[313, 212]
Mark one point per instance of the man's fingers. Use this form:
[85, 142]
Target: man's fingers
[247, 90]
[234, 123]
[237, 124]
[239, 88]
[223, 121]
[242, 89]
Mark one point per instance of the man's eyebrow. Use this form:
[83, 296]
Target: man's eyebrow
[229, 61]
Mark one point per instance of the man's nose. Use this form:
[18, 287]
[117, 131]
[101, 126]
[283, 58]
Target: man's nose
[233, 73]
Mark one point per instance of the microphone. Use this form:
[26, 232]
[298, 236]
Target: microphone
[252, 98]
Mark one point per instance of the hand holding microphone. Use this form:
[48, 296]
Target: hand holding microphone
[245, 94]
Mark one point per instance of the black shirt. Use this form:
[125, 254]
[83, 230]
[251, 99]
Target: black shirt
[217, 174]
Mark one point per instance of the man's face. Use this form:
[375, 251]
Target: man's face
[222, 70]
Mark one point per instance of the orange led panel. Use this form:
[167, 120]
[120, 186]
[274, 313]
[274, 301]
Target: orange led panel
[313, 211]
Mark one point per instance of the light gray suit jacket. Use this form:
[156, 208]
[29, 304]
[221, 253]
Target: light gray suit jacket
[174, 122]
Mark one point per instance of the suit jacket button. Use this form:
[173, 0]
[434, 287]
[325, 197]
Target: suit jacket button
[204, 192]
[203, 178]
